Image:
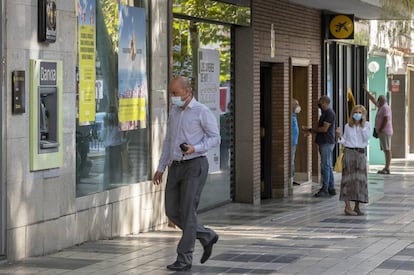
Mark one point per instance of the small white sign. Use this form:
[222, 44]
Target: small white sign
[209, 94]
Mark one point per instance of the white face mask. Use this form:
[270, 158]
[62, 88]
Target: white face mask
[298, 109]
[177, 101]
[357, 116]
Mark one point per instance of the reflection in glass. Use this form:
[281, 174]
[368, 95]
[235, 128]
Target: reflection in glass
[114, 141]
[107, 158]
[188, 38]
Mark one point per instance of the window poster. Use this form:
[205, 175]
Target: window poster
[132, 68]
[87, 49]
[209, 93]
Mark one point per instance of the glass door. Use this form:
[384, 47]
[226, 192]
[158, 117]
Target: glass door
[345, 71]
[190, 38]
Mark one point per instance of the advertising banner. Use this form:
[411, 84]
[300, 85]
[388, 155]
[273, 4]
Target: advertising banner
[209, 93]
[87, 49]
[132, 68]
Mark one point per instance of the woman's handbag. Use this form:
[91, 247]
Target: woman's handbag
[338, 163]
[375, 134]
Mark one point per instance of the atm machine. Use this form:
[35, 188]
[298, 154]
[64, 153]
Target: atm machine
[45, 114]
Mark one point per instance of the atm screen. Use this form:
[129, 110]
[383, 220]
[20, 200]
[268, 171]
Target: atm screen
[43, 121]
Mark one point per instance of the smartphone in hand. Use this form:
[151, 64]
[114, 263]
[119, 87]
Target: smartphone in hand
[183, 147]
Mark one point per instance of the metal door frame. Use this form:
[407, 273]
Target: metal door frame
[3, 135]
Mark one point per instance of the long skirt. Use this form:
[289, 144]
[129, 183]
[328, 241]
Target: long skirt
[354, 177]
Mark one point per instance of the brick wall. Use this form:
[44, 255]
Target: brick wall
[297, 34]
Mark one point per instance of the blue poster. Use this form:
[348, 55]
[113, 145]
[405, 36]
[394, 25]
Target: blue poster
[132, 68]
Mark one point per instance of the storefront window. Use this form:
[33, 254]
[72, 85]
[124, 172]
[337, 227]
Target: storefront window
[193, 43]
[112, 134]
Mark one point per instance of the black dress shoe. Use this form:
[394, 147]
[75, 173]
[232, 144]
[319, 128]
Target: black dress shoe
[321, 194]
[178, 266]
[332, 192]
[208, 248]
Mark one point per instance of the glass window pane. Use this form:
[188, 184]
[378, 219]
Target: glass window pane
[114, 149]
[188, 37]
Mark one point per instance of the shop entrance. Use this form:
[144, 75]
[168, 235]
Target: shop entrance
[344, 70]
[300, 91]
[266, 130]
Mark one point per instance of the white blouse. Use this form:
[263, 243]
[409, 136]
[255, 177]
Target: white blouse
[356, 137]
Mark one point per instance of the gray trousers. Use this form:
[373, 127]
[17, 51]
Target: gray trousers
[184, 186]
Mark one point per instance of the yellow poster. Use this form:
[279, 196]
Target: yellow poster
[86, 73]
[132, 113]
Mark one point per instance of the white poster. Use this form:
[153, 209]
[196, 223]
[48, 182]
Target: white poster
[209, 94]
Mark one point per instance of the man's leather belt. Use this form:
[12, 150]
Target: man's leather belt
[184, 161]
[360, 150]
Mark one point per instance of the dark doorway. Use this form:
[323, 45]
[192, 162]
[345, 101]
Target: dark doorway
[300, 91]
[266, 130]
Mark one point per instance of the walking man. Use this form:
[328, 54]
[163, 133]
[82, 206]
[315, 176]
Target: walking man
[191, 131]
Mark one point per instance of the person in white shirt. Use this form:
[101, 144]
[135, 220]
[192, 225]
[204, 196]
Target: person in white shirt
[354, 167]
[191, 131]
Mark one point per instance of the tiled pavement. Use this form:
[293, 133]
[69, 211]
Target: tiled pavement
[299, 235]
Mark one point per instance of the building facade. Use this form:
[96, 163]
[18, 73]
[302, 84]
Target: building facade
[41, 209]
[48, 204]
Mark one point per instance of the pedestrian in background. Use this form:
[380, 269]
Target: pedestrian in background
[295, 135]
[354, 164]
[113, 140]
[191, 131]
[383, 127]
[325, 138]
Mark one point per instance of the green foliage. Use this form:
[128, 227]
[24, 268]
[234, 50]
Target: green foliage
[111, 16]
[210, 35]
[188, 36]
[399, 9]
[361, 38]
[212, 10]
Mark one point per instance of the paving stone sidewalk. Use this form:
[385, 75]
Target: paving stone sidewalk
[298, 235]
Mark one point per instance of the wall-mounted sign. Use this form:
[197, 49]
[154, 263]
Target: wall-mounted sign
[339, 26]
[208, 88]
[18, 90]
[272, 41]
[48, 73]
[46, 21]
[395, 86]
